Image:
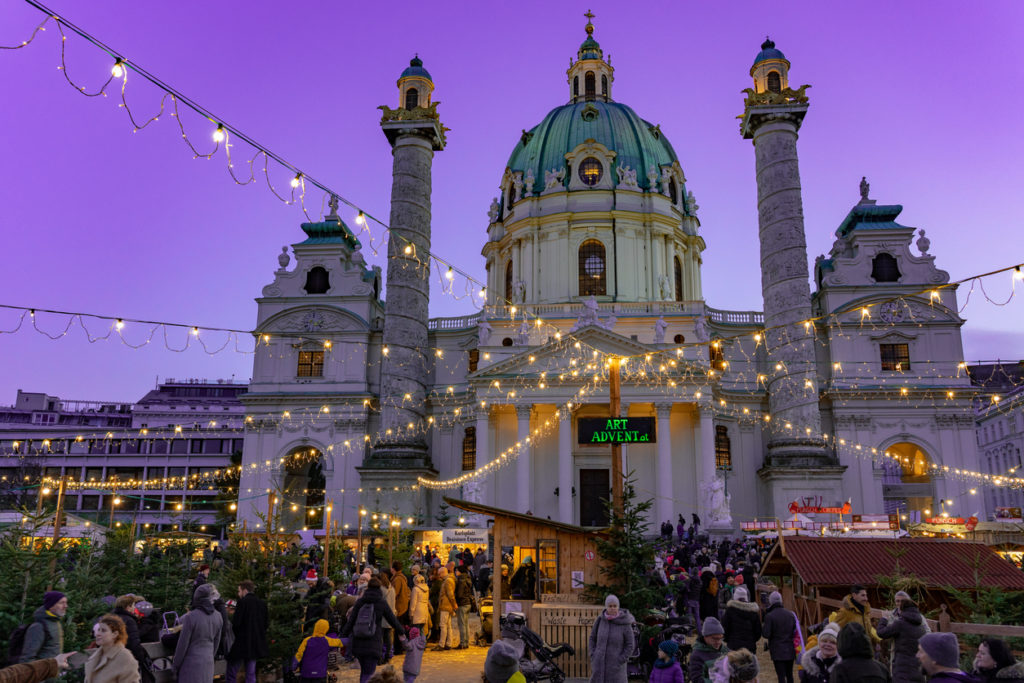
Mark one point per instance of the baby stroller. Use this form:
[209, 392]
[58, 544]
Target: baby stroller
[538, 660]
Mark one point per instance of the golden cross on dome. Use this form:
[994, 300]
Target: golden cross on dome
[590, 17]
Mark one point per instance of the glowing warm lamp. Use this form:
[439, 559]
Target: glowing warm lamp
[218, 135]
[117, 71]
[296, 180]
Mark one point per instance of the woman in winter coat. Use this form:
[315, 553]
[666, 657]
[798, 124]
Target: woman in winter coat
[419, 603]
[905, 628]
[708, 594]
[611, 643]
[124, 607]
[200, 637]
[819, 661]
[388, 591]
[111, 662]
[742, 622]
[779, 629]
[994, 663]
[858, 665]
[367, 648]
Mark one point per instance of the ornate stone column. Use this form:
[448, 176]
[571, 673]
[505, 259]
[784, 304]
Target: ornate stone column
[483, 436]
[705, 456]
[565, 467]
[524, 483]
[664, 502]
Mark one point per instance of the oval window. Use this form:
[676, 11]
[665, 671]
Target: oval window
[591, 171]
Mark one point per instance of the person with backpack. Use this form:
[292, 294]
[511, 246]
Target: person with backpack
[363, 626]
[312, 655]
[43, 638]
[250, 623]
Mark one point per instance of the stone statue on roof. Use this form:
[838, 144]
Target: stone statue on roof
[865, 187]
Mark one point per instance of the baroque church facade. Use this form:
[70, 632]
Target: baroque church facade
[855, 391]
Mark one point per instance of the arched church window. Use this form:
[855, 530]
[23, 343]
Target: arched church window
[723, 448]
[509, 293]
[592, 280]
[412, 98]
[884, 268]
[678, 278]
[318, 281]
[774, 81]
[575, 86]
[590, 86]
[511, 196]
[469, 450]
[590, 171]
[673, 191]
[474, 360]
[604, 86]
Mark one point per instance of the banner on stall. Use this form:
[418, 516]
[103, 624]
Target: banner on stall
[464, 536]
[1009, 515]
[869, 522]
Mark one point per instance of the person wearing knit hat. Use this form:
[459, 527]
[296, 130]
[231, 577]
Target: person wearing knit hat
[708, 649]
[44, 638]
[819, 660]
[939, 654]
[666, 666]
[779, 629]
[905, 627]
[611, 643]
[739, 666]
[742, 622]
[502, 664]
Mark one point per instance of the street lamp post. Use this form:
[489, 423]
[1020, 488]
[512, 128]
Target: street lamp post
[113, 505]
[359, 536]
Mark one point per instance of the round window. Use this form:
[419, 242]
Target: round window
[591, 170]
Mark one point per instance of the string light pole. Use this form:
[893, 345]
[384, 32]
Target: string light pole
[113, 506]
[327, 537]
[359, 539]
[615, 404]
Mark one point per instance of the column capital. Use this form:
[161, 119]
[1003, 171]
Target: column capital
[663, 409]
[524, 410]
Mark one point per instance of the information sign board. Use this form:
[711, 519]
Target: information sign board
[615, 430]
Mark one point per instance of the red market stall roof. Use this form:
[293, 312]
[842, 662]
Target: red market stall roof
[848, 561]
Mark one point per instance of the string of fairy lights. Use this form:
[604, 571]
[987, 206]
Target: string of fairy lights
[655, 370]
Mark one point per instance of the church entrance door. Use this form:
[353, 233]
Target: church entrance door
[594, 490]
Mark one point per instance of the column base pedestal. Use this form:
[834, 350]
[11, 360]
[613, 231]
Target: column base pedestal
[379, 483]
[789, 483]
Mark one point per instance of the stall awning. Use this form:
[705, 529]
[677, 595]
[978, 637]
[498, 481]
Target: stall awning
[848, 561]
[488, 511]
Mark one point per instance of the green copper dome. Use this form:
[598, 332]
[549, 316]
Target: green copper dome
[636, 143]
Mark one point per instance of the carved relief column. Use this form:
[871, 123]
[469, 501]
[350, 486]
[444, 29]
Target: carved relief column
[483, 436]
[670, 264]
[524, 483]
[565, 467]
[535, 276]
[657, 264]
[664, 503]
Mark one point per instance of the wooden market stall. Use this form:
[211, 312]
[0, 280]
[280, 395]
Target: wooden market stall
[814, 574]
[566, 560]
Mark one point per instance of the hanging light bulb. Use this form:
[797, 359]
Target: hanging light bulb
[296, 180]
[361, 218]
[218, 135]
[450, 274]
[117, 71]
[119, 324]
[1017, 274]
[483, 292]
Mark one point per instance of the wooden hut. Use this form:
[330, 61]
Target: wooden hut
[814, 574]
[566, 560]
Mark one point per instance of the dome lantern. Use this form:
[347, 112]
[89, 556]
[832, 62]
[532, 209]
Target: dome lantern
[590, 76]
[415, 86]
[770, 69]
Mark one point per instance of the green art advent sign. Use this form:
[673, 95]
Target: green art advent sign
[612, 430]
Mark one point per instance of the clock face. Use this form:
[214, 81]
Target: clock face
[313, 321]
[891, 312]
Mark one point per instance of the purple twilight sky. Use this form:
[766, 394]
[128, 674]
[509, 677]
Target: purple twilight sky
[923, 98]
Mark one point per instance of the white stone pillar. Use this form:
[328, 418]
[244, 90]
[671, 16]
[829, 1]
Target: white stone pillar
[483, 436]
[535, 263]
[706, 456]
[524, 483]
[670, 263]
[663, 505]
[565, 467]
[657, 264]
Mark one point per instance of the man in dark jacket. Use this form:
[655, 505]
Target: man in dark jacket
[742, 622]
[708, 595]
[250, 627]
[202, 577]
[779, 629]
[906, 628]
[124, 607]
[939, 654]
[368, 649]
[44, 638]
[463, 600]
[858, 665]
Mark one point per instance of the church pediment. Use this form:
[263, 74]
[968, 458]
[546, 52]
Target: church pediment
[557, 355]
[884, 310]
[314, 320]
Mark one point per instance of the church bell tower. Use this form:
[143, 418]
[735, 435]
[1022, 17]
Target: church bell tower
[796, 451]
[415, 133]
